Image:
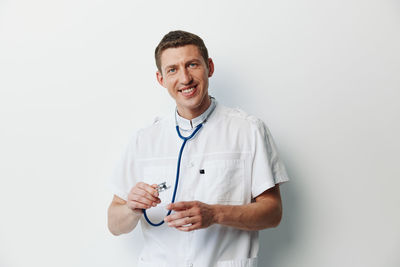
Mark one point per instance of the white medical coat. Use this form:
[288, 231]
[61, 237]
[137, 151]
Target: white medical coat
[231, 160]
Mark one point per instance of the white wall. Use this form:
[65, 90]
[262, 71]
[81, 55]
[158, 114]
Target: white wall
[78, 77]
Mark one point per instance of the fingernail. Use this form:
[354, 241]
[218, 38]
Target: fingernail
[154, 204]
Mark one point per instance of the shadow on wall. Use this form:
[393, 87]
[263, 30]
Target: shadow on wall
[276, 244]
[227, 89]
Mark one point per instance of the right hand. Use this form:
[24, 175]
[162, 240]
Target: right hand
[143, 196]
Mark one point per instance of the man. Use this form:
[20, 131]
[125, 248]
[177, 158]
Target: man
[219, 164]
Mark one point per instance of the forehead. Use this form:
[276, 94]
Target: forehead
[176, 55]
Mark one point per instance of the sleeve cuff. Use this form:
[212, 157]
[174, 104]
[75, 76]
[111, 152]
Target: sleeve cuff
[279, 179]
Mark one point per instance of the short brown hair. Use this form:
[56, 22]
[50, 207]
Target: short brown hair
[175, 39]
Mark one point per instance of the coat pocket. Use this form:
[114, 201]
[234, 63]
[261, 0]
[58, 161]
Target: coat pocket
[222, 182]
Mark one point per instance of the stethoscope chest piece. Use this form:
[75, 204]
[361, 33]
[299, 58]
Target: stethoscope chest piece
[162, 187]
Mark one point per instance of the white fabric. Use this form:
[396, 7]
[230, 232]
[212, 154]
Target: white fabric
[239, 159]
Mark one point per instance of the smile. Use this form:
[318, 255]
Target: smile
[188, 91]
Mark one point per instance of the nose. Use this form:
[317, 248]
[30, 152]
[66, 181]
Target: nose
[185, 77]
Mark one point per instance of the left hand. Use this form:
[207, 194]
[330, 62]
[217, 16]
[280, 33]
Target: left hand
[190, 215]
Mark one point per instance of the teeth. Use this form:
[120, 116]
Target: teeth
[188, 90]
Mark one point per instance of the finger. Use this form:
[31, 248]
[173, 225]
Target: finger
[178, 215]
[140, 204]
[143, 193]
[151, 189]
[182, 205]
[189, 228]
[137, 205]
[144, 199]
[186, 221]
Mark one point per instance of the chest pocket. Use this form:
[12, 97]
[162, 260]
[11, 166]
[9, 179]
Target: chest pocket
[222, 182]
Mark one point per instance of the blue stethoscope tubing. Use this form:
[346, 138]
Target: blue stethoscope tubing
[185, 139]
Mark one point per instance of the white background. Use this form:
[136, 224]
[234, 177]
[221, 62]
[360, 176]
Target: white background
[78, 77]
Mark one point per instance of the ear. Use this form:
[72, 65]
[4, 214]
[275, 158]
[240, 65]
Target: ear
[160, 78]
[210, 67]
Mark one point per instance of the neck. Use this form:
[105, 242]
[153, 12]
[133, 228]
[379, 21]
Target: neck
[190, 114]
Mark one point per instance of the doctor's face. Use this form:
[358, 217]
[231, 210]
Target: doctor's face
[185, 74]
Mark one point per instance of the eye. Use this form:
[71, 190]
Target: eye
[171, 70]
[193, 65]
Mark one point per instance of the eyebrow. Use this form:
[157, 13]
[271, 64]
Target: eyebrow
[187, 62]
[193, 60]
[170, 66]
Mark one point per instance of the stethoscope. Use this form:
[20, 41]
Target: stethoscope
[185, 139]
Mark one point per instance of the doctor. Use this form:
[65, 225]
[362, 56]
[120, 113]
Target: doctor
[229, 171]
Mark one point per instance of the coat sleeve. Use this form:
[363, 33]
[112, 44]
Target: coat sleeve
[267, 169]
[123, 176]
